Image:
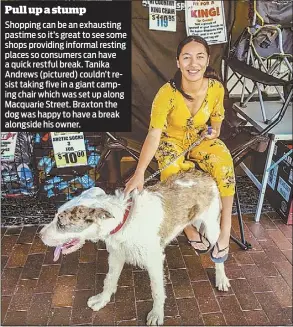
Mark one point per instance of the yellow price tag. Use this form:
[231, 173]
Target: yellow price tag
[69, 159]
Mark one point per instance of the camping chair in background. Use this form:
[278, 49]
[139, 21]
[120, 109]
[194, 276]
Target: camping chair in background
[266, 46]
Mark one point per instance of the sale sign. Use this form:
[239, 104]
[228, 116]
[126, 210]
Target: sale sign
[206, 19]
[162, 15]
[69, 149]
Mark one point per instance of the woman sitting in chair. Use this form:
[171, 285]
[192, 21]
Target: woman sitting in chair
[180, 112]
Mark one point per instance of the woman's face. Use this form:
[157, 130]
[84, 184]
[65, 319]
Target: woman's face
[193, 61]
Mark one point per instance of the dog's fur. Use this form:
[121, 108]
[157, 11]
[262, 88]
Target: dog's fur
[158, 214]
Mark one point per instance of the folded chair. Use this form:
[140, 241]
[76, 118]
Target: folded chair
[266, 45]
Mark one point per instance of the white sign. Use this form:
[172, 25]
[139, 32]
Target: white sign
[69, 149]
[8, 143]
[162, 15]
[206, 19]
[180, 4]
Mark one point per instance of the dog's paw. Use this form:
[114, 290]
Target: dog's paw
[222, 283]
[155, 317]
[98, 302]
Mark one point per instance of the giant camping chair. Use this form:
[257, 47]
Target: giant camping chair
[266, 45]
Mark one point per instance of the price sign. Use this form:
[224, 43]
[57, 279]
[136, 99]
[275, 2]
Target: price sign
[206, 19]
[69, 149]
[162, 16]
[8, 143]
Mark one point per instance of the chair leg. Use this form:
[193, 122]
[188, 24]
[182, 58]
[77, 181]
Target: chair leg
[242, 243]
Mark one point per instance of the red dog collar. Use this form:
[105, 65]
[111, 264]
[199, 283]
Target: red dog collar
[126, 214]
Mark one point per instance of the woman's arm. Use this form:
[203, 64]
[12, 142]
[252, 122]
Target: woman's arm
[148, 151]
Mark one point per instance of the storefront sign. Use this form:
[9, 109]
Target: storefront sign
[8, 144]
[206, 19]
[162, 15]
[69, 149]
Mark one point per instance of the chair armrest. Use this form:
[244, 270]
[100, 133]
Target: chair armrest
[254, 74]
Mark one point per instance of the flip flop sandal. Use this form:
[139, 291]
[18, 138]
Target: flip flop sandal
[220, 259]
[200, 242]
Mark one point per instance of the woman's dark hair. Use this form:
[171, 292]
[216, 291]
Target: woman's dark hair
[209, 73]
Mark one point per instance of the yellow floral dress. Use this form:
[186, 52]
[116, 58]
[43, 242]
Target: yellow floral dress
[180, 129]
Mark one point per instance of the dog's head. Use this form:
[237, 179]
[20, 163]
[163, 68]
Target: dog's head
[87, 217]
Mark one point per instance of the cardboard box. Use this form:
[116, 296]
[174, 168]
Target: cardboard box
[280, 182]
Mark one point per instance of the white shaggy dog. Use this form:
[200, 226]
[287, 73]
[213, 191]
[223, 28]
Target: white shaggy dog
[156, 216]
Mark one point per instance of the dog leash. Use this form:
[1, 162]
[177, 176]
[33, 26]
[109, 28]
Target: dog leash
[183, 153]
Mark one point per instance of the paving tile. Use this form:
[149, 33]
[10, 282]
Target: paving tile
[171, 309]
[234, 273]
[9, 280]
[38, 246]
[132, 322]
[205, 297]
[4, 259]
[60, 317]
[245, 296]
[281, 289]
[189, 312]
[174, 257]
[214, 319]
[185, 247]
[267, 223]
[257, 230]
[288, 313]
[49, 257]
[287, 230]
[172, 321]
[206, 261]
[255, 244]
[181, 283]
[280, 239]
[195, 270]
[18, 256]
[256, 318]
[15, 318]
[64, 291]
[142, 285]
[86, 276]
[102, 262]
[13, 230]
[47, 279]
[275, 254]
[143, 308]
[81, 313]
[125, 310]
[232, 312]
[285, 269]
[259, 284]
[266, 267]
[126, 277]
[88, 253]
[272, 308]
[288, 254]
[212, 277]
[27, 235]
[33, 266]
[38, 313]
[243, 258]
[7, 244]
[124, 294]
[251, 271]
[105, 316]
[5, 301]
[23, 295]
[69, 264]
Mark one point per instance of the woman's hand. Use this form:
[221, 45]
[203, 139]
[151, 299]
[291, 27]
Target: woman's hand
[136, 181]
[213, 134]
